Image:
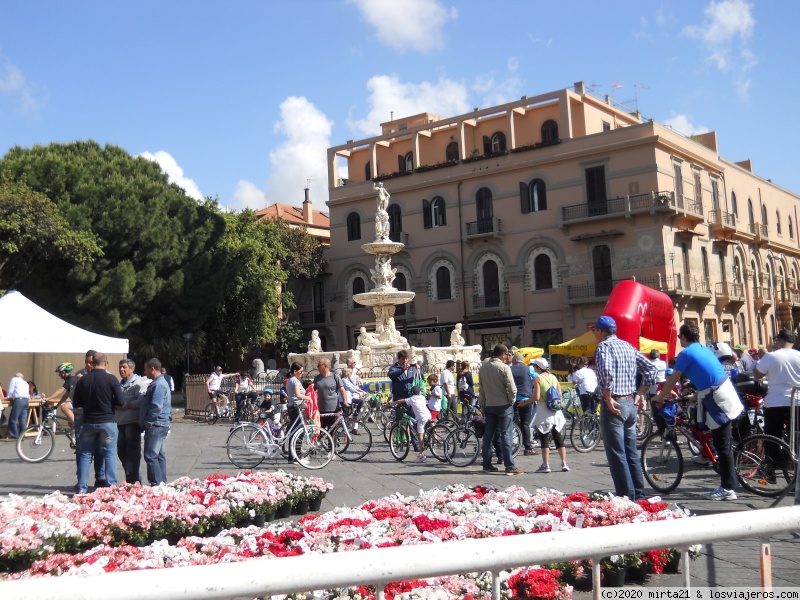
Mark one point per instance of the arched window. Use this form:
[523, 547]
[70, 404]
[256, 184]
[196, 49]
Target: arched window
[543, 272]
[395, 222]
[433, 213]
[791, 229]
[451, 153]
[764, 218]
[353, 227]
[443, 289]
[533, 196]
[498, 142]
[778, 221]
[484, 209]
[549, 132]
[405, 163]
[734, 205]
[359, 286]
[491, 284]
[750, 212]
[368, 171]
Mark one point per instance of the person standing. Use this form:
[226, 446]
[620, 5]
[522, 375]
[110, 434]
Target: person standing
[169, 379]
[586, 385]
[448, 383]
[403, 376]
[96, 395]
[548, 422]
[129, 440]
[18, 393]
[154, 419]
[617, 366]
[718, 403]
[524, 402]
[329, 388]
[496, 398]
[782, 368]
[746, 361]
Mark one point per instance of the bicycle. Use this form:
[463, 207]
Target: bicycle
[462, 446]
[403, 435]
[349, 445]
[219, 408]
[248, 444]
[37, 442]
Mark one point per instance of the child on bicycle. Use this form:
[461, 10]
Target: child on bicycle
[435, 397]
[421, 414]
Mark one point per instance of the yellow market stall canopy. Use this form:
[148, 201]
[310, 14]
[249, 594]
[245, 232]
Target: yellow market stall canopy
[585, 345]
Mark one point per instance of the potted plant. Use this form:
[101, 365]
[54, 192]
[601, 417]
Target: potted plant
[613, 570]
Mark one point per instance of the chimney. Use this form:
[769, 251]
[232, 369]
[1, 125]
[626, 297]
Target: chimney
[308, 209]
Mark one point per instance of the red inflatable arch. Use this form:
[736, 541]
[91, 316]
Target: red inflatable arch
[640, 310]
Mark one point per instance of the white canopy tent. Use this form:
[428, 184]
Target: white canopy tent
[34, 342]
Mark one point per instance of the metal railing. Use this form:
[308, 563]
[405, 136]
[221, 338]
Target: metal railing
[498, 299]
[489, 226]
[729, 289]
[720, 217]
[591, 290]
[762, 293]
[380, 566]
[619, 206]
[312, 317]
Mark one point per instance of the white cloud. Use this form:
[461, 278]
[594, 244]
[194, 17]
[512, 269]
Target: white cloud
[408, 25]
[500, 92]
[174, 172]
[683, 124]
[301, 156]
[726, 23]
[28, 97]
[512, 64]
[248, 195]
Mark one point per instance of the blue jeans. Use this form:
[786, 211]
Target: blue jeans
[19, 413]
[94, 436]
[154, 456]
[499, 419]
[99, 466]
[619, 439]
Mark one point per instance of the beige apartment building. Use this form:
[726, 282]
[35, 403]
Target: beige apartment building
[519, 219]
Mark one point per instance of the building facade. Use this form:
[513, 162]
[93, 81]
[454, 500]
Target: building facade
[519, 219]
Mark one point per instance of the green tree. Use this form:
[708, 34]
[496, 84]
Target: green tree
[32, 231]
[158, 275]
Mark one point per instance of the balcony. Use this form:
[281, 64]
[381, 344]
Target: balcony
[627, 206]
[497, 300]
[320, 316]
[760, 233]
[688, 289]
[590, 292]
[483, 228]
[762, 297]
[405, 311]
[729, 294]
[723, 224]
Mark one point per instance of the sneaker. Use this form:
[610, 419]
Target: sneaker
[354, 432]
[720, 494]
[564, 467]
[499, 460]
[699, 459]
[514, 471]
[491, 468]
[531, 452]
[543, 469]
[421, 458]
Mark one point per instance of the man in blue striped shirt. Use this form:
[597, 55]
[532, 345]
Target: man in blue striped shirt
[618, 364]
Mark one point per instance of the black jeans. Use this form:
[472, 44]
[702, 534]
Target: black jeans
[525, 414]
[723, 444]
[129, 449]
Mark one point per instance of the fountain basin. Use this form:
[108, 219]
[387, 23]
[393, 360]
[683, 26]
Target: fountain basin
[382, 247]
[384, 297]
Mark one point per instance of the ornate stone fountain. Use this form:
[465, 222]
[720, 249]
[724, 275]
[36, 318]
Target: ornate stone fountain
[379, 348]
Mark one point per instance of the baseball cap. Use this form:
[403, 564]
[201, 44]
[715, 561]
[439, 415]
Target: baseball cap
[607, 323]
[739, 347]
[752, 351]
[416, 390]
[786, 335]
[541, 363]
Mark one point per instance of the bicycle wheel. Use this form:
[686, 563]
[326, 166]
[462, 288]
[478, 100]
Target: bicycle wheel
[765, 465]
[35, 445]
[435, 437]
[662, 463]
[399, 441]
[357, 447]
[312, 446]
[585, 433]
[644, 427]
[516, 440]
[211, 414]
[244, 445]
[462, 447]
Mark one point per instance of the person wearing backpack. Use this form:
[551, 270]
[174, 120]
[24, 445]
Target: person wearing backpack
[549, 420]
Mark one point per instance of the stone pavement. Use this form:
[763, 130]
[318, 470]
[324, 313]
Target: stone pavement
[197, 449]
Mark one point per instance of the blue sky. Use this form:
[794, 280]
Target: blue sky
[240, 99]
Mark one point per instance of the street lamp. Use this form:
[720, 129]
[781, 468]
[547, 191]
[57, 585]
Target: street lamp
[187, 337]
[672, 262]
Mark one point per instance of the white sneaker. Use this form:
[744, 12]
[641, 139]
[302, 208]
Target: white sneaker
[720, 494]
[543, 469]
[421, 458]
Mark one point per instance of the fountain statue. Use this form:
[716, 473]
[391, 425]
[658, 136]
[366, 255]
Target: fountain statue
[379, 348]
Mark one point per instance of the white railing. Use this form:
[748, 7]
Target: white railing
[264, 577]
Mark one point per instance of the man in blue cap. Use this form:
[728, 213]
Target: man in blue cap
[617, 366]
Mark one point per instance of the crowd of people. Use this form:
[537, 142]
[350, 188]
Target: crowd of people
[126, 418]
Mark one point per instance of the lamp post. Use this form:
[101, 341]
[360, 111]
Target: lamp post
[187, 337]
[672, 262]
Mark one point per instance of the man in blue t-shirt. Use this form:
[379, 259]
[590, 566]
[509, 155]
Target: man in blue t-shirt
[718, 403]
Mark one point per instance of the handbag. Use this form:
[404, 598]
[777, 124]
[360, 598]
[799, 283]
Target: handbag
[553, 398]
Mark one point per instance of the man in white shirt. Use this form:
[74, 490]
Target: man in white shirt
[18, 394]
[586, 384]
[448, 383]
[782, 368]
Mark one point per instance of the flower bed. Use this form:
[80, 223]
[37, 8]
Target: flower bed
[455, 513]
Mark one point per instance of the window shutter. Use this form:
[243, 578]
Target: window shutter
[487, 145]
[542, 195]
[401, 163]
[524, 204]
[426, 214]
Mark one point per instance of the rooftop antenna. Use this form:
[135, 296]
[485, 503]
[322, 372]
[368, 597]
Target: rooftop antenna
[593, 86]
[615, 85]
[638, 86]
[308, 182]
